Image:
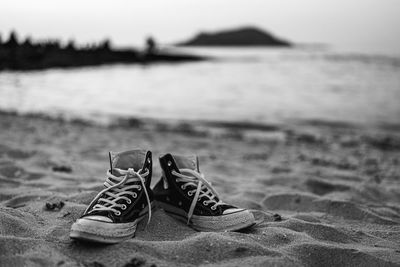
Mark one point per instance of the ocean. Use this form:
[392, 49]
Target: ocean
[257, 85]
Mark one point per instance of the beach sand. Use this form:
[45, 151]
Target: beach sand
[323, 194]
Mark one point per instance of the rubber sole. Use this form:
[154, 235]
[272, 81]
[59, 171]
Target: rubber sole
[105, 232]
[102, 232]
[225, 223]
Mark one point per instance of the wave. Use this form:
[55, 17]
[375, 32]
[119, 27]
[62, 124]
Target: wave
[300, 52]
[198, 127]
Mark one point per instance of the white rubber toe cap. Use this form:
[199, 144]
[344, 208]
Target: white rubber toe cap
[98, 218]
[230, 211]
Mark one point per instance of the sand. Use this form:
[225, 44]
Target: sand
[323, 194]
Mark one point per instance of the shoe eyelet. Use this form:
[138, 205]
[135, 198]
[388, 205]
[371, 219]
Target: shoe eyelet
[190, 193]
[213, 208]
[134, 195]
[205, 203]
[139, 188]
[117, 213]
[128, 201]
[169, 163]
[183, 187]
[123, 207]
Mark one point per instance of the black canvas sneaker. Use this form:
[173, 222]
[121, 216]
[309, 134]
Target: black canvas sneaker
[184, 193]
[114, 213]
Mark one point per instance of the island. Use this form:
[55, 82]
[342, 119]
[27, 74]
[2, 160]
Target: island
[245, 36]
[30, 55]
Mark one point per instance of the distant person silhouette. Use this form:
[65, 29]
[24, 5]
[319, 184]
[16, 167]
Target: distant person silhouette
[70, 45]
[151, 46]
[105, 45]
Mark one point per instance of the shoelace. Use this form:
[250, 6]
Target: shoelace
[204, 189]
[114, 192]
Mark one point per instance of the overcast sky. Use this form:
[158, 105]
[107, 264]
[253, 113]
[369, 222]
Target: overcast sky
[343, 23]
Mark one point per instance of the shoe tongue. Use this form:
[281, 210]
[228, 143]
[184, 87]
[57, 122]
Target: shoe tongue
[128, 159]
[187, 162]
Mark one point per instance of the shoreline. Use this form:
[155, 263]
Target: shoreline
[207, 127]
[136, 121]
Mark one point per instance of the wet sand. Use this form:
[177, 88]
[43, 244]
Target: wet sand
[324, 194]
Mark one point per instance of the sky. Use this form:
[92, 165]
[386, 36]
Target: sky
[350, 24]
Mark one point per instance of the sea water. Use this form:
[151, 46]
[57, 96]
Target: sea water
[256, 85]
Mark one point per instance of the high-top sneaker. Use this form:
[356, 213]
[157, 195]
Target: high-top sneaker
[114, 213]
[185, 194]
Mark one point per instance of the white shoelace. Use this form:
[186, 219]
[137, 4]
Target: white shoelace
[114, 192]
[204, 189]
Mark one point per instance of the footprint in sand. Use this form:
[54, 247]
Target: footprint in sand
[11, 173]
[325, 254]
[299, 202]
[21, 201]
[15, 153]
[319, 231]
[320, 187]
[16, 223]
